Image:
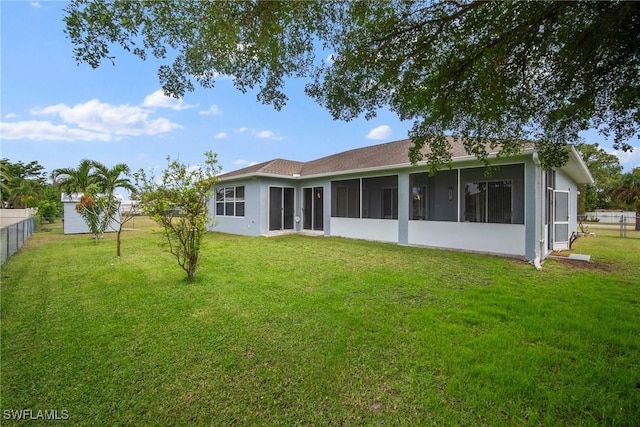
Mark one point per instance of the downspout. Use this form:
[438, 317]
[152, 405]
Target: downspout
[539, 185]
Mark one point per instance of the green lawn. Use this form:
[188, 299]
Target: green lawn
[313, 331]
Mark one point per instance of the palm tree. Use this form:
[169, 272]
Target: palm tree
[24, 193]
[20, 188]
[73, 180]
[627, 191]
[108, 179]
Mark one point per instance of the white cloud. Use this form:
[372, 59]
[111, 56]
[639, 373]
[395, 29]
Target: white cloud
[36, 4]
[213, 111]
[159, 100]
[263, 134]
[243, 162]
[220, 135]
[51, 109]
[331, 58]
[42, 130]
[101, 117]
[628, 159]
[11, 116]
[380, 132]
[266, 134]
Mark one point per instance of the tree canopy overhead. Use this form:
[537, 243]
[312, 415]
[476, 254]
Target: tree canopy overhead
[493, 73]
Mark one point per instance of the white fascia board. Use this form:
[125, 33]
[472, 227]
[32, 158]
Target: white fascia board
[461, 159]
[576, 168]
[257, 175]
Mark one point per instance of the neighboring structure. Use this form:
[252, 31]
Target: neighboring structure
[375, 193]
[16, 226]
[13, 216]
[73, 223]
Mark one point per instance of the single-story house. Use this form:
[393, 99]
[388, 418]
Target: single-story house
[375, 193]
[73, 223]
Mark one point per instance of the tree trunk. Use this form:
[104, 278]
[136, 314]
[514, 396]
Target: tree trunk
[118, 241]
[638, 217]
[191, 273]
[191, 268]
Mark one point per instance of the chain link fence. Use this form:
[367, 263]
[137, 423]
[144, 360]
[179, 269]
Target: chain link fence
[13, 236]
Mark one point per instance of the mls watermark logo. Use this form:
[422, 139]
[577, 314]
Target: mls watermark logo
[35, 415]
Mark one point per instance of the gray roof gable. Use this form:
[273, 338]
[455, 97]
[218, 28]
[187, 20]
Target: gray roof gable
[271, 167]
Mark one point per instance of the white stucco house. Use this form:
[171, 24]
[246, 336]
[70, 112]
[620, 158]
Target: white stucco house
[72, 221]
[375, 193]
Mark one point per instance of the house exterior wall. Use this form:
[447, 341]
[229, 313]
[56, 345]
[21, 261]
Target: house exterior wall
[404, 204]
[504, 239]
[444, 225]
[250, 223]
[380, 230]
[533, 210]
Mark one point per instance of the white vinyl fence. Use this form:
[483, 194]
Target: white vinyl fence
[611, 216]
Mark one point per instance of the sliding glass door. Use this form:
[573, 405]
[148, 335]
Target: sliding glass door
[312, 212]
[281, 208]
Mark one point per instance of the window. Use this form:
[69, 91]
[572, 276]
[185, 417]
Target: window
[390, 203]
[550, 178]
[230, 201]
[346, 196]
[380, 197]
[418, 196]
[488, 201]
[419, 202]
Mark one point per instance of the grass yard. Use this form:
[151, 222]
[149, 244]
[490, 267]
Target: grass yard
[311, 331]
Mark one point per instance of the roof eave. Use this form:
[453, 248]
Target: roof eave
[576, 168]
[459, 159]
[222, 178]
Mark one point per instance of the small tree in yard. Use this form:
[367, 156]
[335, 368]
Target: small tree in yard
[125, 216]
[97, 210]
[97, 206]
[178, 201]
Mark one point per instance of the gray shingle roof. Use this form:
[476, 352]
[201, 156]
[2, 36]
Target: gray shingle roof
[374, 156]
[271, 167]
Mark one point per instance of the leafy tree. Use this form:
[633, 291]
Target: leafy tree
[125, 216]
[493, 73]
[50, 206]
[605, 169]
[627, 191]
[178, 201]
[22, 185]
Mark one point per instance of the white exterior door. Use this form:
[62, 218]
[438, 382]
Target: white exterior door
[560, 220]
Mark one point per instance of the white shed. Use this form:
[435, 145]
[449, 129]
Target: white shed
[73, 223]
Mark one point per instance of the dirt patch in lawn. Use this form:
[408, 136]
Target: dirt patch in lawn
[583, 265]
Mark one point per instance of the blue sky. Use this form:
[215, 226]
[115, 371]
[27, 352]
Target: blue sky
[58, 112]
